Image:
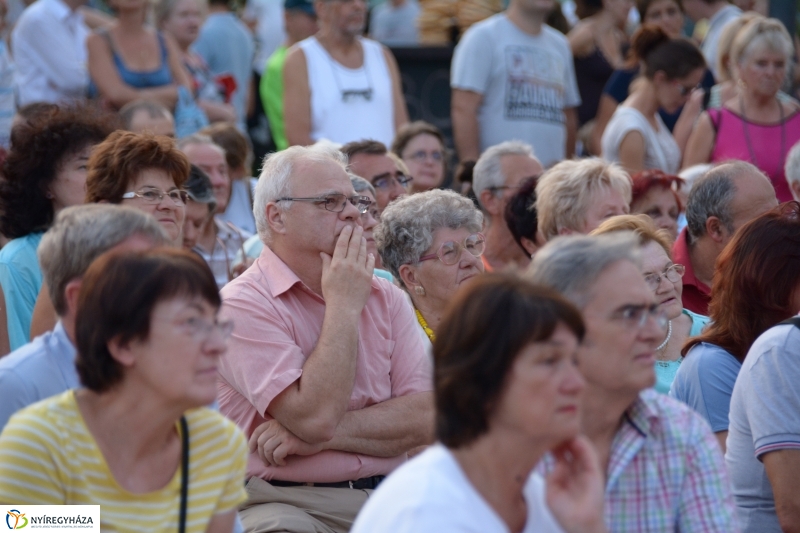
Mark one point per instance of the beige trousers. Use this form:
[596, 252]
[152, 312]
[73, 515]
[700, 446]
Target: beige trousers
[299, 509]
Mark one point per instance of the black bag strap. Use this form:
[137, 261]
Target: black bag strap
[184, 474]
[795, 321]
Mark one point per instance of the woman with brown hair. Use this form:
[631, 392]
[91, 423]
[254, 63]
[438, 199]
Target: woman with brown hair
[756, 285]
[422, 148]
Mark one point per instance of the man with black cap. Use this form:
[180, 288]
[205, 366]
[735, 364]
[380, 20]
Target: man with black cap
[300, 22]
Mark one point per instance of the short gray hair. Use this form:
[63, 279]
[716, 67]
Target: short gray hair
[712, 196]
[488, 171]
[198, 138]
[80, 234]
[407, 225]
[792, 167]
[273, 183]
[572, 264]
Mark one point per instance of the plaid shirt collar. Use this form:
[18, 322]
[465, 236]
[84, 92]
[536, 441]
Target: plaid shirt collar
[639, 422]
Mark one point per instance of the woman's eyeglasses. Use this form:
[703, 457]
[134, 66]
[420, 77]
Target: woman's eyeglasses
[672, 273]
[152, 195]
[450, 252]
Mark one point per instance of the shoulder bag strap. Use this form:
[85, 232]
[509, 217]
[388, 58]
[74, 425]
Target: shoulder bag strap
[184, 474]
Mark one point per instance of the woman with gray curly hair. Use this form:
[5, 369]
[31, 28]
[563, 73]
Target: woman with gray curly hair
[431, 242]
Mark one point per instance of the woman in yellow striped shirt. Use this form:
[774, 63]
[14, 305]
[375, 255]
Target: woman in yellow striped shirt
[136, 439]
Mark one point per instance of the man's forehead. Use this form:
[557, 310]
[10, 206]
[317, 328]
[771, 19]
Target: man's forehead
[316, 178]
[370, 165]
[620, 284]
[517, 167]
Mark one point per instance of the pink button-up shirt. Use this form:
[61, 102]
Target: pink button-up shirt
[278, 321]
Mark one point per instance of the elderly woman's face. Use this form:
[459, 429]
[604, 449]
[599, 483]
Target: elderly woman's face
[168, 213]
[178, 360]
[441, 281]
[542, 397]
[424, 157]
[606, 203]
[660, 204]
[657, 264]
[763, 70]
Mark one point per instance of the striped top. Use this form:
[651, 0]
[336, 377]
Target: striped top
[48, 456]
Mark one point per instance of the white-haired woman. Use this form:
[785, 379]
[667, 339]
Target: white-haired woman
[576, 196]
[431, 242]
[755, 125]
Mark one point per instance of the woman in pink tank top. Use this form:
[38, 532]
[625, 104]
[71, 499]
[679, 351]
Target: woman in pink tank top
[754, 125]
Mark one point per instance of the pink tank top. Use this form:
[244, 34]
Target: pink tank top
[766, 144]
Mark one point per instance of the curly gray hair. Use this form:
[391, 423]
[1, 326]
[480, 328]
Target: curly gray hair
[407, 225]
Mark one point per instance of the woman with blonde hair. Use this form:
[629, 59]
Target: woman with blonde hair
[664, 278]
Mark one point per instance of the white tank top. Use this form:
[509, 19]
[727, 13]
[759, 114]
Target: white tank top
[349, 104]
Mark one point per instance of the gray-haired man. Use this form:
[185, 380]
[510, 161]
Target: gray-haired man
[664, 468]
[45, 366]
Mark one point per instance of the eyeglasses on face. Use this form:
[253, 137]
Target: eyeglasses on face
[636, 316]
[673, 273]
[450, 252]
[152, 195]
[372, 211]
[683, 90]
[201, 329]
[334, 202]
[422, 155]
[387, 180]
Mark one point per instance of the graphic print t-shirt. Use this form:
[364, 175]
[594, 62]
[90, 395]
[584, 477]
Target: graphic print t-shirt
[526, 82]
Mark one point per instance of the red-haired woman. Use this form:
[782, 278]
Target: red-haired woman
[654, 195]
[756, 285]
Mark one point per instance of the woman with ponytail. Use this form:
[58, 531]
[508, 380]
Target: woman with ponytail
[636, 136]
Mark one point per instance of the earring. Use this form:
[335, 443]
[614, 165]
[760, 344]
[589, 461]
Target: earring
[420, 290]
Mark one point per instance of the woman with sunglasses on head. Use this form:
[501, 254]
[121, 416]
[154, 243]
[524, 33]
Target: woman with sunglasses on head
[636, 136]
[431, 243]
[756, 285]
[143, 171]
[664, 278]
[136, 438]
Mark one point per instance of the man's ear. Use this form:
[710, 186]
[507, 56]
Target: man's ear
[71, 292]
[716, 229]
[490, 202]
[276, 218]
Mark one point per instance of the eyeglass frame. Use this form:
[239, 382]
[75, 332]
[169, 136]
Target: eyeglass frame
[201, 329]
[324, 200]
[461, 247]
[421, 155]
[398, 177]
[675, 267]
[644, 312]
[130, 195]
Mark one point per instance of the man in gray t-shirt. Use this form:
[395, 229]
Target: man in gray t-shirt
[763, 455]
[513, 79]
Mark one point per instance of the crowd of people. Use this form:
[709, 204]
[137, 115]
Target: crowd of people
[577, 315]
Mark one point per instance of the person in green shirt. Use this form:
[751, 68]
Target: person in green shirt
[300, 22]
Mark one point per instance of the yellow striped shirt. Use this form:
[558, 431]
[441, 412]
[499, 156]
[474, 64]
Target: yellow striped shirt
[48, 456]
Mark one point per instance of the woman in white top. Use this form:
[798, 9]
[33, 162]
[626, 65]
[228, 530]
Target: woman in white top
[636, 137]
[507, 391]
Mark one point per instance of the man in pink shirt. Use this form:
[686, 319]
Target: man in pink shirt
[325, 371]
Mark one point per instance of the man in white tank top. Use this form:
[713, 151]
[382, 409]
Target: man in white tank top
[339, 85]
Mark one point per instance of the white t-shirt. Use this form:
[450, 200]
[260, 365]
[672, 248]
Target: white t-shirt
[395, 26]
[432, 494]
[526, 82]
[661, 151]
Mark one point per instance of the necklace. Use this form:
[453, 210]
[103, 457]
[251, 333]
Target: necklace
[747, 133]
[428, 331]
[669, 336]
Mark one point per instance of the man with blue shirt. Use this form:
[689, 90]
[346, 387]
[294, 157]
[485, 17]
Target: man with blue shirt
[46, 366]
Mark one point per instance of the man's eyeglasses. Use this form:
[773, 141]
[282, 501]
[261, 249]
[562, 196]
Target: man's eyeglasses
[450, 252]
[422, 155]
[637, 315]
[385, 181]
[673, 273]
[151, 195]
[334, 202]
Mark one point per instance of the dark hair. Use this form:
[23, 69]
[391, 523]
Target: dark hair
[118, 161]
[756, 276]
[200, 189]
[676, 58]
[39, 147]
[647, 179]
[118, 294]
[363, 147]
[485, 327]
[643, 5]
[520, 213]
[235, 144]
[587, 8]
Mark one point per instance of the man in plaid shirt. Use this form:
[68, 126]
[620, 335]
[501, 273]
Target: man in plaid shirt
[664, 469]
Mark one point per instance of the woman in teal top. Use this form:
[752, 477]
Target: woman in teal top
[44, 172]
[664, 278]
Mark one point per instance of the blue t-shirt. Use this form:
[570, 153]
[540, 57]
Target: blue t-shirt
[765, 417]
[666, 370]
[705, 382]
[21, 280]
